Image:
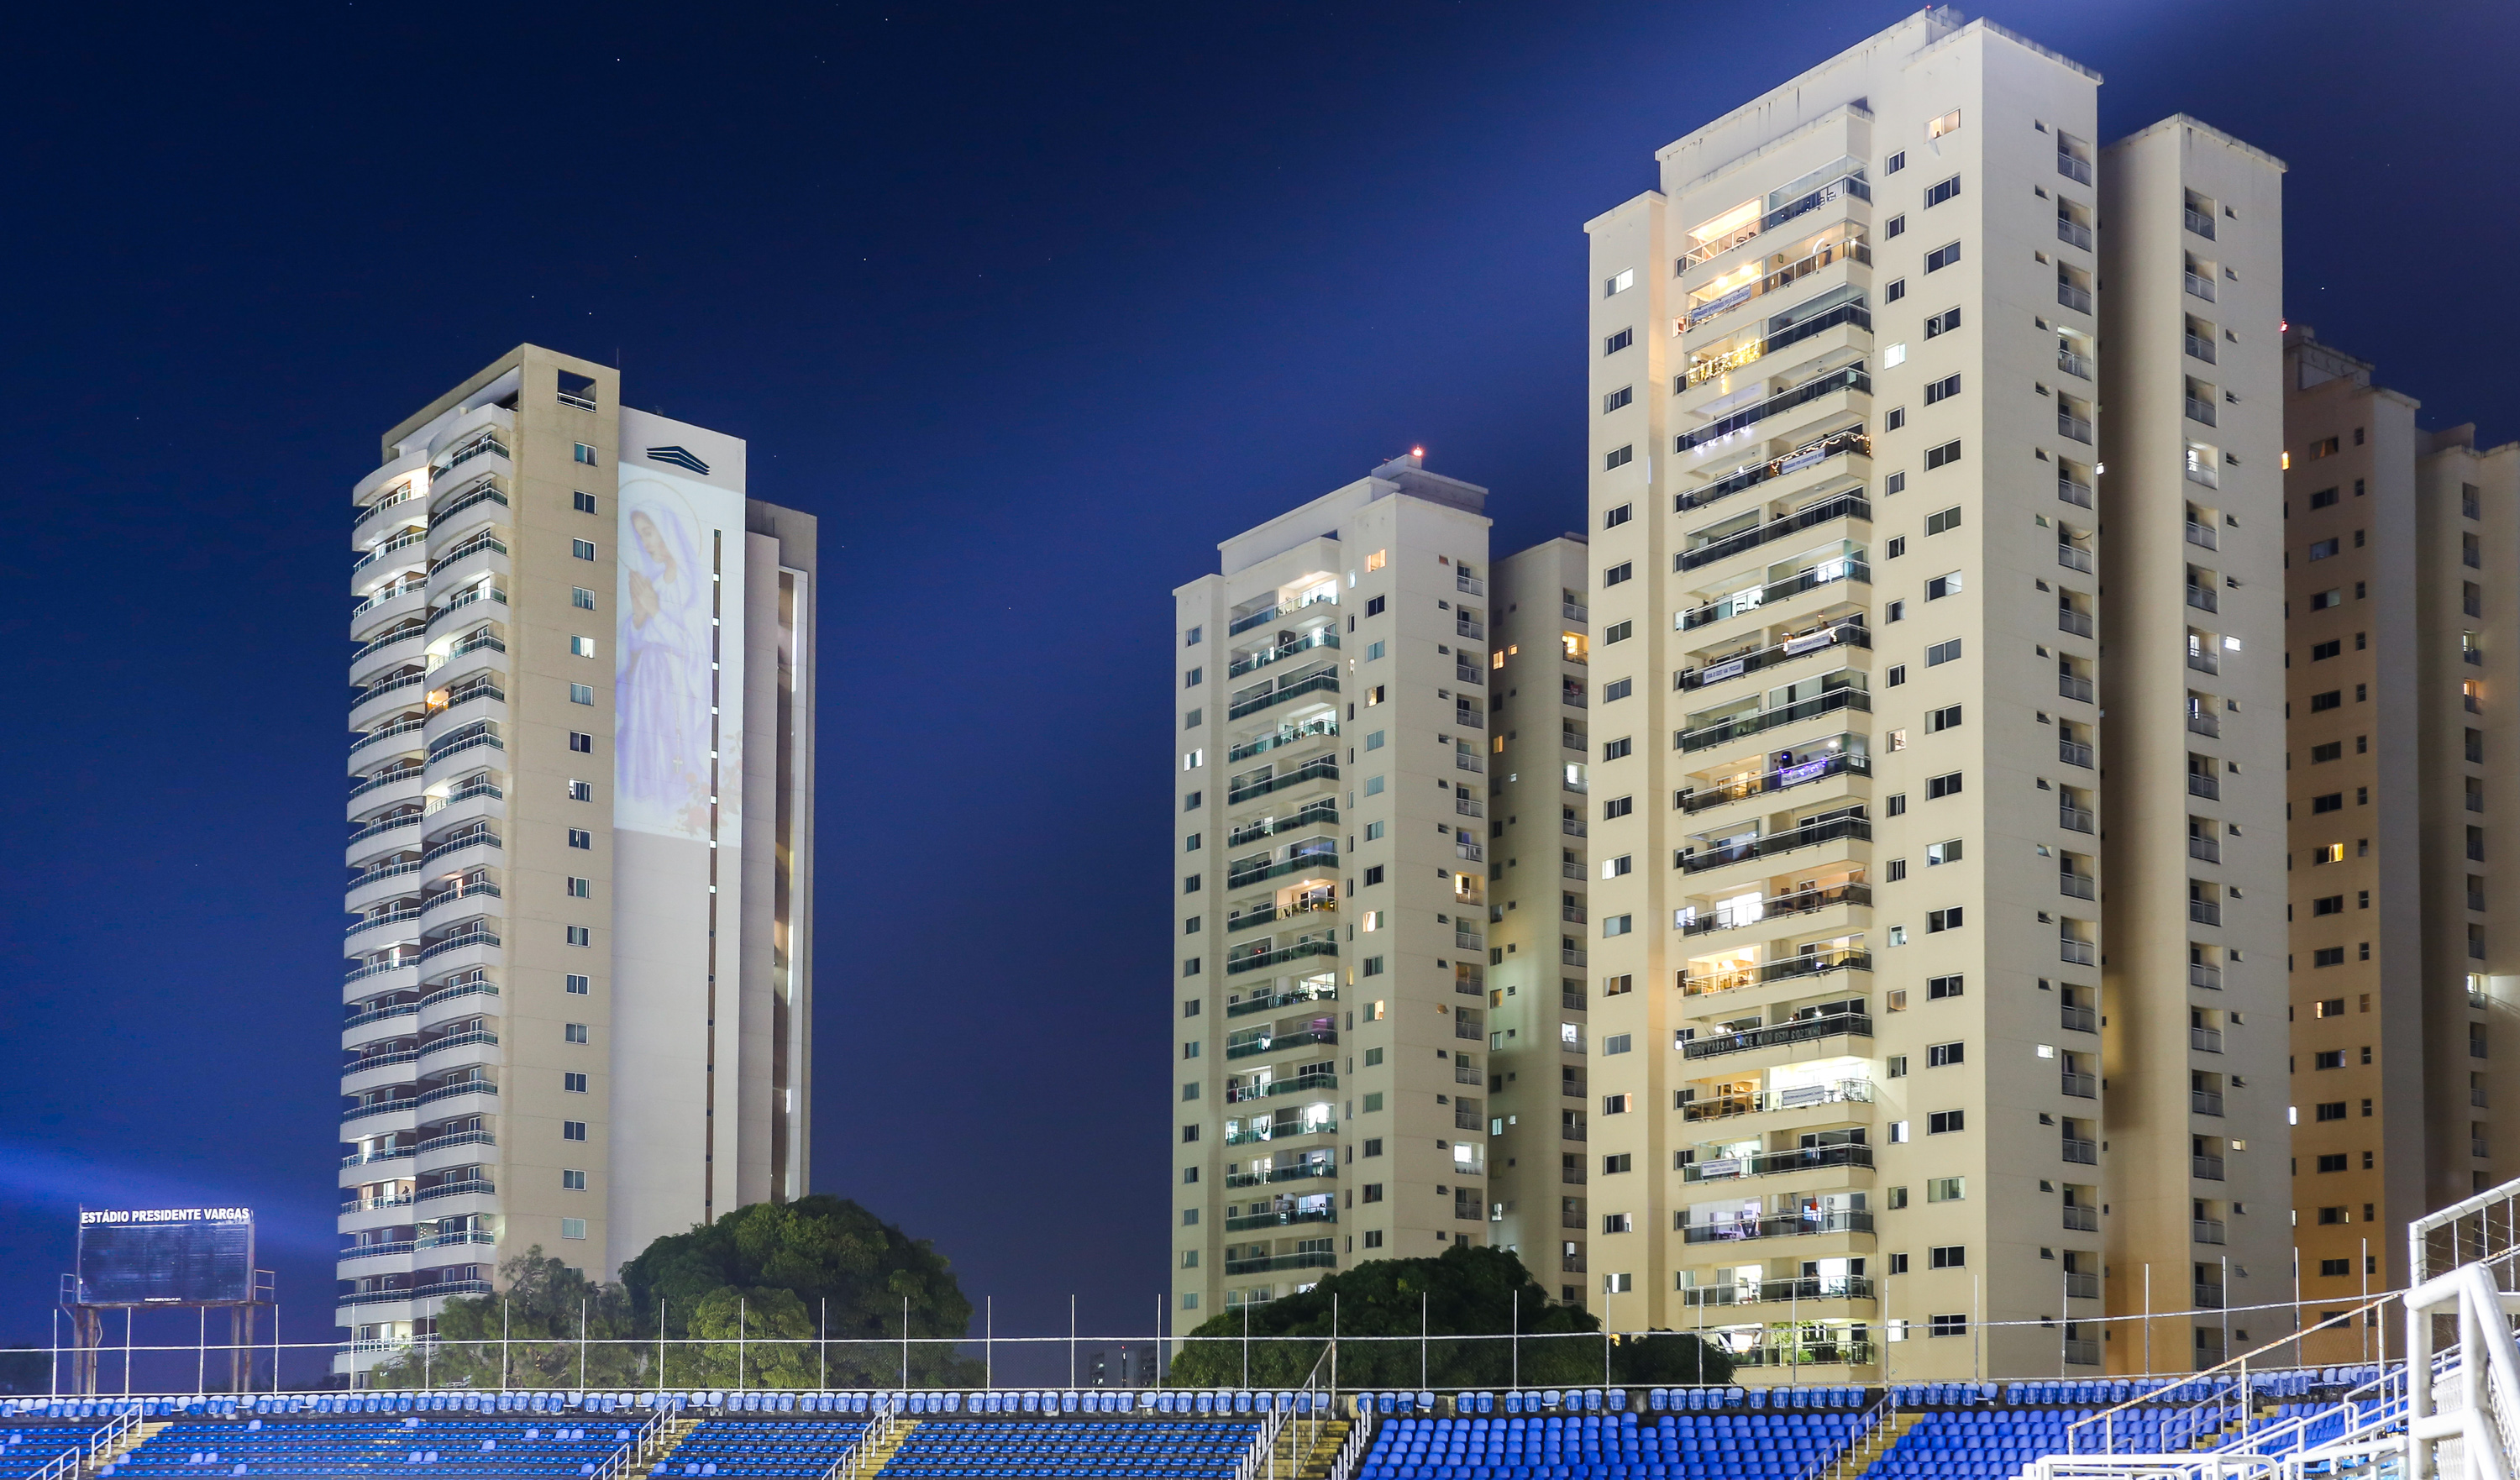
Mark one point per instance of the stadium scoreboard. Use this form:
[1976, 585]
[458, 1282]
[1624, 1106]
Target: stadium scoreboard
[166, 1256]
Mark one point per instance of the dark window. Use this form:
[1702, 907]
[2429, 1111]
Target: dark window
[1942, 190]
[1943, 456]
[1943, 1122]
[1942, 323]
[1618, 342]
[1942, 256]
[1943, 389]
[1947, 784]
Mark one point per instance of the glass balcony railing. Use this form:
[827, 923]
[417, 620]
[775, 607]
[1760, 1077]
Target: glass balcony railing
[1847, 631]
[2077, 952]
[481, 446]
[1699, 860]
[1318, 637]
[1281, 1261]
[1823, 573]
[1280, 1129]
[2075, 298]
[1319, 856]
[1261, 915]
[1318, 1079]
[2078, 170]
[1786, 1226]
[1254, 1042]
[2073, 233]
[1851, 377]
[1782, 968]
[1322, 812]
[1780, 1291]
[1760, 721]
[1704, 311]
[1319, 768]
[1782, 1035]
[1851, 505]
[1843, 762]
[1260, 697]
[1279, 1218]
[1762, 1102]
[1260, 959]
[473, 495]
[1263, 617]
[1781, 905]
[1770, 1163]
[1266, 1002]
[1851, 440]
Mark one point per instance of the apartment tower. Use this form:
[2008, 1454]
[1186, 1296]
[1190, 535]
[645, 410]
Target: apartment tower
[2403, 979]
[1331, 1003]
[578, 1002]
[1858, 1034]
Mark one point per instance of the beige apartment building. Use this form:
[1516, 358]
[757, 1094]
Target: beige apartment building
[577, 1007]
[1540, 1049]
[1331, 778]
[2400, 549]
[1899, 1068]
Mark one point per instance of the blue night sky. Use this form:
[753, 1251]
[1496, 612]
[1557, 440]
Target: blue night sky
[1031, 305]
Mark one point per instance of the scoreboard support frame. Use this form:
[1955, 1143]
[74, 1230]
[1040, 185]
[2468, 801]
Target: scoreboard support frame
[87, 1332]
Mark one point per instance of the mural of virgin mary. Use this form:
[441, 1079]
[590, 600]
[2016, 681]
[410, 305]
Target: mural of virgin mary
[662, 694]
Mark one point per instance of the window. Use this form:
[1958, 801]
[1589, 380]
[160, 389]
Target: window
[2335, 1269]
[1623, 396]
[1947, 851]
[572, 1181]
[1939, 921]
[1942, 652]
[2323, 498]
[1943, 456]
[2333, 801]
[1190, 884]
[1895, 163]
[1949, 122]
[1373, 606]
[1617, 750]
[1371, 966]
[1191, 677]
[1618, 924]
[1941, 586]
[572, 1130]
[1618, 573]
[583, 503]
[1942, 323]
[1372, 1147]
[1618, 342]
[1939, 987]
[1894, 291]
[1190, 638]
[1943, 1122]
[1617, 1104]
[2321, 549]
[1896, 547]
[1372, 830]
[1943, 1056]
[579, 838]
[1943, 389]
[1896, 675]
[1895, 804]
[1189, 1134]
[1898, 1065]
[1373, 785]
[1936, 523]
[1619, 632]
[2322, 652]
[1612, 287]
[581, 598]
[580, 888]
[1618, 1223]
[1894, 419]
[584, 550]
[584, 454]
[1617, 689]
[1617, 807]
[1374, 876]
[1946, 718]
[2332, 1162]
[581, 694]
[1942, 256]
[572, 1084]
[1949, 1256]
[579, 986]
[1896, 226]
[1946, 1325]
[1372, 653]
[2333, 904]
[575, 1032]
[1619, 457]
[581, 742]
[573, 1228]
[581, 792]
[1894, 611]
[2327, 1058]
[1940, 191]
[2327, 956]
[2333, 1109]
[2328, 700]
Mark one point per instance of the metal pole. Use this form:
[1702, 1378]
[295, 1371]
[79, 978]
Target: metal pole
[2147, 1320]
[126, 1352]
[2226, 1307]
[1071, 1340]
[201, 1352]
[989, 1340]
[503, 1344]
[1422, 1335]
[1515, 1369]
[739, 1341]
[581, 1343]
[57, 1353]
[2364, 1263]
[275, 1345]
[1977, 1329]
[1246, 1343]
[905, 1348]
[2063, 1325]
[2300, 1345]
[1334, 1346]
[823, 1351]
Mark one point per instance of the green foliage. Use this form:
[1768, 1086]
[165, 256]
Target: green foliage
[762, 1280]
[1466, 1292]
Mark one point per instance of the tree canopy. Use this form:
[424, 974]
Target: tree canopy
[810, 1294]
[1466, 1292]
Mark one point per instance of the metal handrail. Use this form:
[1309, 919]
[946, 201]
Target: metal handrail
[637, 1449]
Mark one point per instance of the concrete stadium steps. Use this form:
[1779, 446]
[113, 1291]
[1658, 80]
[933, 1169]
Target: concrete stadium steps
[676, 1431]
[1856, 1462]
[1297, 1458]
[871, 1459]
[128, 1439]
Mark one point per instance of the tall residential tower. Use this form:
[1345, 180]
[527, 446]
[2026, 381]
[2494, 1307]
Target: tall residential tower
[579, 988]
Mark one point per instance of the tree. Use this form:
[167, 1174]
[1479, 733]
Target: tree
[528, 1335]
[1466, 1292]
[847, 1277]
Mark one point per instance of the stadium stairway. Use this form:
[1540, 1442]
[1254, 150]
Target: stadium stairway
[1858, 1460]
[878, 1453]
[128, 1439]
[676, 1431]
[1296, 1459]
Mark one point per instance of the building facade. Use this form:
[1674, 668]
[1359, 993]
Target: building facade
[578, 997]
[1849, 926]
[1540, 762]
[2402, 662]
[1331, 1006]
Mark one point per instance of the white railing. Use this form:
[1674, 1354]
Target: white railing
[61, 1466]
[1360, 1438]
[641, 1446]
[1875, 1420]
[100, 1443]
[853, 1465]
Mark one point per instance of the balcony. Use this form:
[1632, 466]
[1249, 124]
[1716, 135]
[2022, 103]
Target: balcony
[1571, 957]
[371, 1158]
[1285, 1218]
[2070, 686]
[470, 1185]
[1706, 311]
[2077, 623]
[1841, 569]
[1762, 1102]
[1264, 914]
[1770, 1163]
[1804, 1030]
[2077, 952]
[2081, 1286]
[2208, 977]
[1783, 968]
[2205, 1102]
[383, 825]
[455, 1139]
[1255, 1042]
[2074, 753]
[374, 921]
[1724, 732]
[2199, 348]
[1780, 1291]
[2085, 1152]
[2208, 1297]
[464, 941]
[1261, 1132]
[1788, 1226]
[2204, 849]
[1850, 504]
[2199, 287]
[2204, 913]
[2201, 722]
[1263, 617]
[1845, 631]
[1322, 812]
[1810, 837]
[2078, 1086]
[1844, 762]
[2209, 788]
[1264, 1002]
[1255, 960]
[1316, 856]
[1572, 826]
[2074, 428]
[2081, 1220]
[2076, 299]
[1284, 735]
[1294, 686]
[1312, 1166]
[1281, 1261]
[379, 1014]
[2209, 1168]
[1851, 378]
[2073, 233]
[475, 494]
[2074, 885]
[2203, 660]
[1318, 637]
[2074, 558]
[1319, 768]
[1470, 584]
[1809, 455]
[1299, 1084]
[2200, 410]
[2078, 1019]
[2077, 171]
[1798, 902]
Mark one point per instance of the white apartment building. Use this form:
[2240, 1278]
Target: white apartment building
[1896, 1062]
[1330, 1009]
[578, 1001]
